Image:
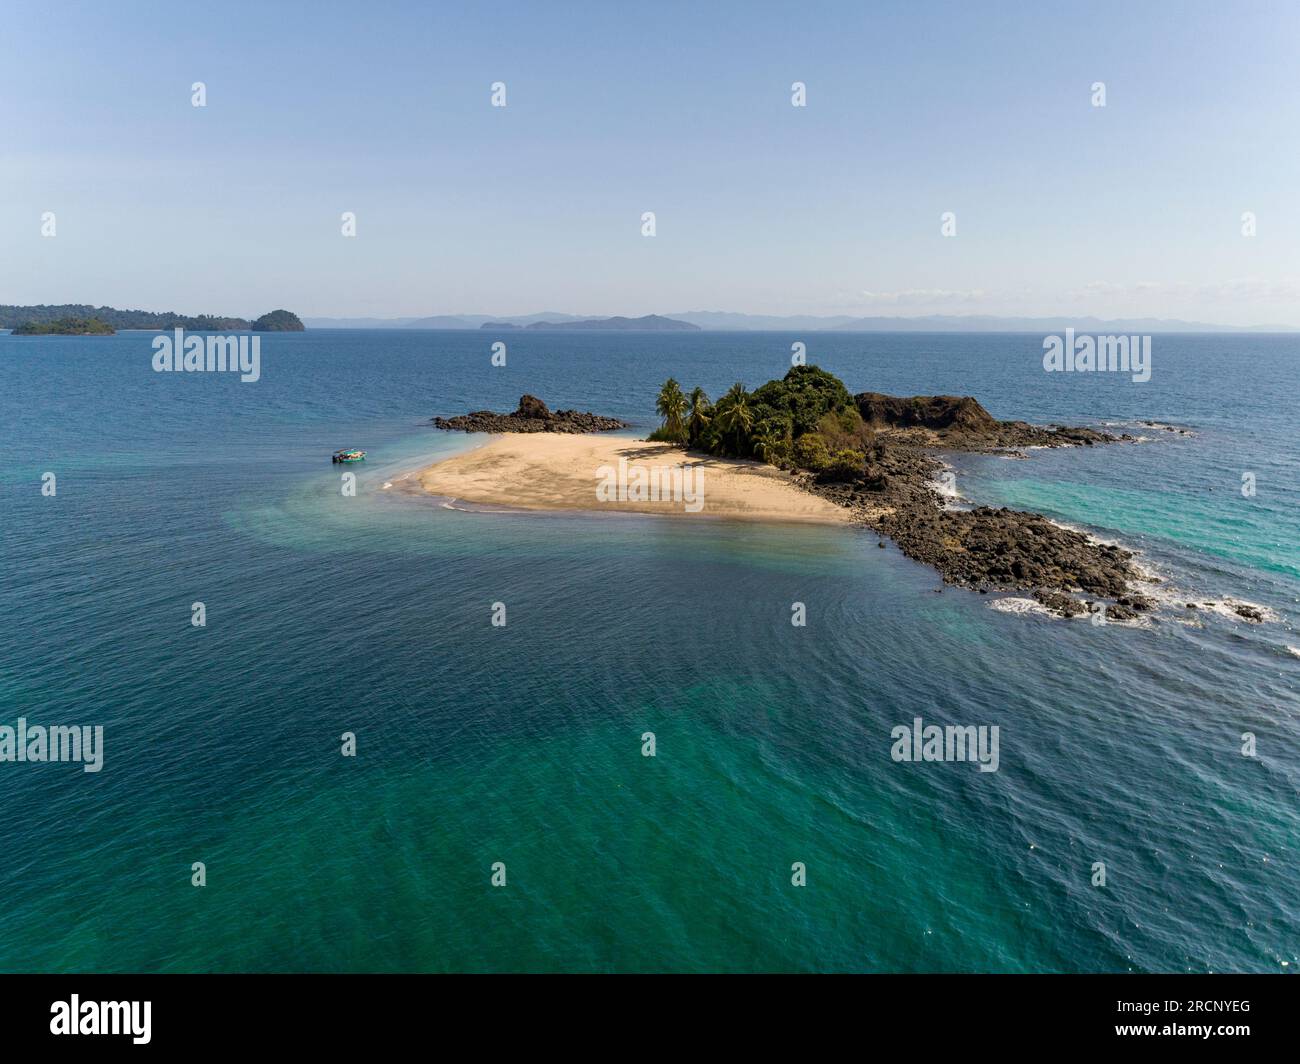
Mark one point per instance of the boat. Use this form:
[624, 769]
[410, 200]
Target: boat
[348, 456]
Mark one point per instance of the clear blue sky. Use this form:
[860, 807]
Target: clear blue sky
[383, 109]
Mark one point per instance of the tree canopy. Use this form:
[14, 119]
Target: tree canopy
[65, 327]
[805, 420]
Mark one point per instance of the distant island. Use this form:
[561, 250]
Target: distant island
[66, 327]
[50, 319]
[279, 321]
[648, 323]
[723, 321]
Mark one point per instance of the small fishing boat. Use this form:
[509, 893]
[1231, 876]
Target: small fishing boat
[348, 456]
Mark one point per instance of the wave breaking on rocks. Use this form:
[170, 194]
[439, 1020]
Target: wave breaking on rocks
[983, 548]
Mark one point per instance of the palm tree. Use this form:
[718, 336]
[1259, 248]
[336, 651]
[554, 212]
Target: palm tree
[733, 416]
[767, 445]
[701, 409]
[671, 406]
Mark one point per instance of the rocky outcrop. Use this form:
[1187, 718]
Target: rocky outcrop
[1009, 550]
[961, 423]
[532, 415]
[925, 411]
[532, 409]
[983, 548]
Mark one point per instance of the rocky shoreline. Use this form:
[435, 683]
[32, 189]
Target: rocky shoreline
[984, 549]
[895, 493]
[532, 415]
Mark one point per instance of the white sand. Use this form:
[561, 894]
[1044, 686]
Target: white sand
[546, 471]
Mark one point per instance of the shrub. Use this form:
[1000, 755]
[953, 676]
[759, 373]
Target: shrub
[845, 464]
[667, 435]
[811, 452]
[844, 430]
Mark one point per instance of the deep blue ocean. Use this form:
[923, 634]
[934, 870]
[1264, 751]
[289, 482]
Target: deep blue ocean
[522, 744]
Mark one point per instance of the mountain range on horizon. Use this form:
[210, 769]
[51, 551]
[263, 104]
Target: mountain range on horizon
[687, 321]
[729, 321]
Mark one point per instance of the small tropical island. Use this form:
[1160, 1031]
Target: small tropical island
[278, 321]
[803, 448]
[66, 327]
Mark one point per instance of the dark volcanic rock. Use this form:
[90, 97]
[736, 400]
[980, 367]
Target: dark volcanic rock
[960, 423]
[1058, 602]
[531, 406]
[925, 411]
[533, 415]
[984, 548]
[1008, 550]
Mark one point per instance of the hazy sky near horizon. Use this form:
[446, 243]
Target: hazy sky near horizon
[614, 109]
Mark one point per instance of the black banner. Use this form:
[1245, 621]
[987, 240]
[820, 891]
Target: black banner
[337, 1013]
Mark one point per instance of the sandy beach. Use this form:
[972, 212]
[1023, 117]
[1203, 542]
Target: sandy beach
[551, 471]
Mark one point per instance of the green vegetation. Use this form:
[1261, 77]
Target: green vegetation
[701, 411]
[14, 317]
[671, 406]
[279, 321]
[807, 420]
[65, 327]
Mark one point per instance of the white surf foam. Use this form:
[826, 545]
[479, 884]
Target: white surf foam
[1023, 606]
[944, 484]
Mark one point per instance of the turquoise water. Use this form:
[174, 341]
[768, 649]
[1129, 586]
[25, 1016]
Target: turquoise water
[522, 744]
